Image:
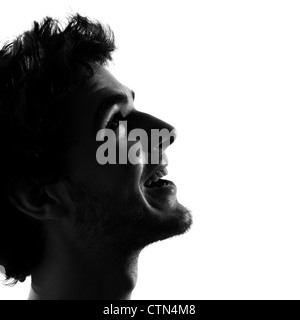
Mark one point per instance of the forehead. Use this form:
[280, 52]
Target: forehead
[83, 105]
[102, 79]
[94, 90]
[100, 85]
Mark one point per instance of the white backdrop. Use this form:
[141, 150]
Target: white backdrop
[227, 75]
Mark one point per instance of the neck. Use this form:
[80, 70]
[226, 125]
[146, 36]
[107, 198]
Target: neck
[68, 273]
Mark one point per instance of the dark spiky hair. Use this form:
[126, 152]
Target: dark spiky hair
[38, 70]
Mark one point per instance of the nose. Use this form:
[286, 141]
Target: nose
[153, 127]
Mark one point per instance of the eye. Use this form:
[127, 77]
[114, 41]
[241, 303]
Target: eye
[114, 121]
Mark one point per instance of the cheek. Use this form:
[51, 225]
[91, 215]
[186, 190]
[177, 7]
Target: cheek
[84, 169]
[135, 164]
[125, 178]
[116, 178]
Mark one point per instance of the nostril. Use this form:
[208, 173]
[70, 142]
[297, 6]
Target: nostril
[173, 135]
[168, 139]
[162, 139]
[172, 139]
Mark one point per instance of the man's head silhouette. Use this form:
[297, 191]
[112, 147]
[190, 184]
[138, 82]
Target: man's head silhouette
[75, 225]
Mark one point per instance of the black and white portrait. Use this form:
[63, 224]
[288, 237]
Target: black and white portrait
[149, 150]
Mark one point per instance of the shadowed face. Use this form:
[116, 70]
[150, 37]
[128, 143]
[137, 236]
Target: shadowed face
[121, 204]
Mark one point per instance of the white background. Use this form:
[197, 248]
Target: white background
[227, 75]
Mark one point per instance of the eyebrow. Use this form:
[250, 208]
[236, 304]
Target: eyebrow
[108, 102]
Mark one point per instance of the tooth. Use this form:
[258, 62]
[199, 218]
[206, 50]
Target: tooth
[155, 178]
[159, 173]
[148, 182]
[164, 171]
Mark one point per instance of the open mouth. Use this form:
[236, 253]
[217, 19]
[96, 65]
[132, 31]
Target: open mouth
[155, 180]
[160, 193]
[158, 184]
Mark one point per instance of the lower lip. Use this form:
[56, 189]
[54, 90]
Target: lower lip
[162, 196]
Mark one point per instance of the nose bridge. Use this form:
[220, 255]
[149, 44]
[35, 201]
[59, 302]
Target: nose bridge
[145, 121]
[152, 126]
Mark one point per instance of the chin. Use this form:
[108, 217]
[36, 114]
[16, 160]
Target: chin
[162, 217]
[173, 222]
[133, 221]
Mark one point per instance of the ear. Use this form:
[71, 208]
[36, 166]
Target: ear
[47, 202]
